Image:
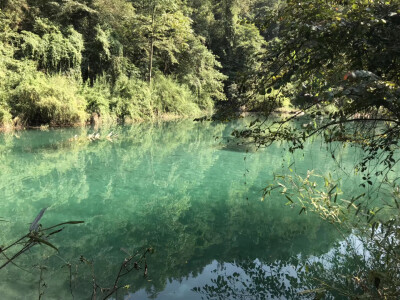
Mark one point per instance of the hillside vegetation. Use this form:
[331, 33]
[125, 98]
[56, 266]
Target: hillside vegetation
[67, 62]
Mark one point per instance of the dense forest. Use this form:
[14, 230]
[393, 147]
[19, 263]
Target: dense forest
[333, 66]
[66, 62]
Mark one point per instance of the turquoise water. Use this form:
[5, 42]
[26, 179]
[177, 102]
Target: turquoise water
[179, 187]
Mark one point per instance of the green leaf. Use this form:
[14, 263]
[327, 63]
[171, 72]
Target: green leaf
[64, 223]
[287, 197]
[329, 193]
[355, 199]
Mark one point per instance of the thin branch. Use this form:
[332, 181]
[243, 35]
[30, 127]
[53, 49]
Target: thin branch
[26, 248]
[350, 121]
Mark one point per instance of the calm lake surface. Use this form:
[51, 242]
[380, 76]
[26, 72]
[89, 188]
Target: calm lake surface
[179, 187]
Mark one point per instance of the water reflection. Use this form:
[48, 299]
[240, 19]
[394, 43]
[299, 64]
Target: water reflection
[171, 186]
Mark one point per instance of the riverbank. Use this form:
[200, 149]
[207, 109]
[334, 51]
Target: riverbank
[98, 121]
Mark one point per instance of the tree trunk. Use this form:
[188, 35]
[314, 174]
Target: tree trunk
[151, 44]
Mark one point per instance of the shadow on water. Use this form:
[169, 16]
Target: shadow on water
[240, 145]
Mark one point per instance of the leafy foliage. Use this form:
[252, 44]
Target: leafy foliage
[53, 100]
[106, 50]
[336, 62]
[370, 275]
[173, 98]
[197, 69]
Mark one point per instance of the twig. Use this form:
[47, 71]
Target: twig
[124, 265]
[26, 248]
[41, 293]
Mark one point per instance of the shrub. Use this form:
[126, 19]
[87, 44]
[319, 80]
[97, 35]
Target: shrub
[5, 116]
[51, 100]
[97, 97]
[131, 99]
[171, 97]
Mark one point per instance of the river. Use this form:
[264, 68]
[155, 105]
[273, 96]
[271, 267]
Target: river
[184, 189]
